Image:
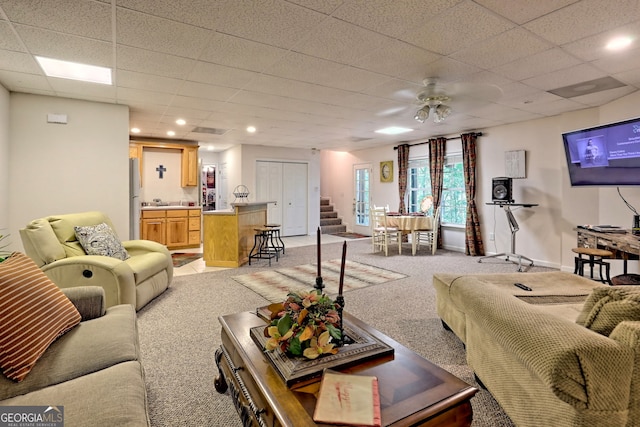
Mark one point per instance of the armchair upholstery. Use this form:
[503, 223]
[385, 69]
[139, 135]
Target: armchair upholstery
[51, 242]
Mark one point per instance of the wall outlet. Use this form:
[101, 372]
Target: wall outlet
[492, 236]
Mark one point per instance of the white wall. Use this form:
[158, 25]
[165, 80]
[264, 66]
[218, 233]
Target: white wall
[547, 231]
[76, 167]
[4, 163]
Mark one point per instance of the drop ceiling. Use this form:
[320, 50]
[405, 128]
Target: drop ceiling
[322, 74]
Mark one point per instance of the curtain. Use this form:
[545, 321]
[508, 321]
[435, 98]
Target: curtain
[403, 165]
[437, 148]
[473, 236]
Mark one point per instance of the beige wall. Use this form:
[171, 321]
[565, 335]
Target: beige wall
[546, 232]
[76, 167]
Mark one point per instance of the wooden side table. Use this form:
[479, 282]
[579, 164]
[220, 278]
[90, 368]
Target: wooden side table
[413, 391]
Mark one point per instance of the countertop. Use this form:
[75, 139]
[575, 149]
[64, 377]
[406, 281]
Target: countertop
[162, 208]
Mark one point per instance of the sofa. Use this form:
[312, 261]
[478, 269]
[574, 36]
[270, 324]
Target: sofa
[565, 353]
[93, 371]
[53, 244]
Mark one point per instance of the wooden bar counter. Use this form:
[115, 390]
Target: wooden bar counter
[228, 234]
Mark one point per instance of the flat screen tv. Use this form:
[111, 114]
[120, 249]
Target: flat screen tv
[604, 155]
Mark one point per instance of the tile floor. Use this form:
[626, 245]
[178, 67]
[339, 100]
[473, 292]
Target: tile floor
[198, 266]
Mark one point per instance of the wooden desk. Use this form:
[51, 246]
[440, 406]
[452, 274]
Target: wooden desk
[413, 391]
[624, 246]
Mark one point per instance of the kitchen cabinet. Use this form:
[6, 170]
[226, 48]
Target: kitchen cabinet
[175, 228]
[153, 227]
[189, 176]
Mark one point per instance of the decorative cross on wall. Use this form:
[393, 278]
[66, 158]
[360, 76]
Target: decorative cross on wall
[160, 170]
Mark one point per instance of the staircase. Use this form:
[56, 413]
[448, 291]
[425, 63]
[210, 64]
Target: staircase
[329, 221]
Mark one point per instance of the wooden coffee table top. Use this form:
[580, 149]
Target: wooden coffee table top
[412, 389]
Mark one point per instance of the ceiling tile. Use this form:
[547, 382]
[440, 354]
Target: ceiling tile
[221, 75]
[155, 63]
[275, 22]
[130, 94]
[8, 39]
[445, 69]
[18, 61]
[241, 53]
[341, 42]
[599, 98]
[66, 47]
[391, 18]
[501, 49]
[594, 47]
[521, 11]
[540, 63]
[565, 77]
[323, 6]
[199, 13]
[87, 18]
[132, 79]
[457, 28]
[19, 82]
[295, 89]
[396, 58]
[66, 86]
[161, 35]
[201, 90]
[619, 63]
[584, 18]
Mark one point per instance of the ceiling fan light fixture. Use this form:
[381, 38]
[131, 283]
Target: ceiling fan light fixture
[422, 114]
[441, 112]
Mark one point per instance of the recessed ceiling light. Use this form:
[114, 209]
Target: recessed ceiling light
[135, 130]
[75, 71]
[393, 130]
[251, 129]
[619, 43]
[181, 122]
[171, 133]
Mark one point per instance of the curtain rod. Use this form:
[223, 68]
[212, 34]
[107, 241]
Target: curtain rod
[448, 139]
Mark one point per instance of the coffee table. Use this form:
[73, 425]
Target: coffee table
[413, 391]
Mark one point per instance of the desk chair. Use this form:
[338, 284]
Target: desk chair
[430, 237]
[382, 235]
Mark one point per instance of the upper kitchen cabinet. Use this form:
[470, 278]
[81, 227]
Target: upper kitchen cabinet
[189, 160]
[190, 166]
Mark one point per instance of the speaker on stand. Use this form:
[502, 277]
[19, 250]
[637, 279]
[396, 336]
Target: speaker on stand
[502, 190]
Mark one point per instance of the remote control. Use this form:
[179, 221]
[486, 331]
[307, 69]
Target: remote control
[521, 286]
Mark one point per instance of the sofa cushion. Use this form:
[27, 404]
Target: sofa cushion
[608, 306]
[92, 346]
[33, 313]
[63, 227]
[148, 265]
[100, 240]
[41, 242]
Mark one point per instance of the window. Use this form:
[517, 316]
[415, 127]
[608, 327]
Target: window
[453, 201]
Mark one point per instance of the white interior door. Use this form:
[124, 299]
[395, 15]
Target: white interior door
[269, 187]
[295, 196]
[362, 198]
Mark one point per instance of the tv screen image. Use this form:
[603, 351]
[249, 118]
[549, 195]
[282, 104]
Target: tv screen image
[604, 155]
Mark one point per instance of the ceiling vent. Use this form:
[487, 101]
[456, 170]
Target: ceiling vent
[358, 139]
[212, 131]
[585, 88]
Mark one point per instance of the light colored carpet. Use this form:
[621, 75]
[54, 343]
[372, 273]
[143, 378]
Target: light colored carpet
[274, 285]
[179, 330]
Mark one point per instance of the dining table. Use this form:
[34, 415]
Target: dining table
[409, 223]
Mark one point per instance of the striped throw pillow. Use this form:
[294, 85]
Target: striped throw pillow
[33, 314]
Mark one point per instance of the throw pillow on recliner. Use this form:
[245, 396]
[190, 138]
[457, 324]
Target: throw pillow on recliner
[608, 306]
[100, 240]
[33, 313]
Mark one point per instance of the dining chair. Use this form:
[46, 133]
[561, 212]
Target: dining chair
[430, 237]
[382, 235]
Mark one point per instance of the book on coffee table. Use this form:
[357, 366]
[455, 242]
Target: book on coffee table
[348, 399]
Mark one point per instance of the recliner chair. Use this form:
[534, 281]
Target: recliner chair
[51, 242]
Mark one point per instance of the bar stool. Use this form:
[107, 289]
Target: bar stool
[595, 258]
[275, 228]
[261, 249]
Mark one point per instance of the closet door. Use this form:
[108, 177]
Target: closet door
[269, 187]
[295, 196]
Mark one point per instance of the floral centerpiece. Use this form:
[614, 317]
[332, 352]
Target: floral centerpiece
[304, 325]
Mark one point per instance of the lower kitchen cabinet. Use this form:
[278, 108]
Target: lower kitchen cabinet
[175, 228]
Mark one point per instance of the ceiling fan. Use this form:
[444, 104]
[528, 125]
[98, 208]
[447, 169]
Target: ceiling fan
[438, 100]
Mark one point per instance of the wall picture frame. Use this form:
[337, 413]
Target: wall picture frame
[386, 171]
